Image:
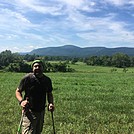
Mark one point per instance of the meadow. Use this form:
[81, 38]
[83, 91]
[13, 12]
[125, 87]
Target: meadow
[92, 100]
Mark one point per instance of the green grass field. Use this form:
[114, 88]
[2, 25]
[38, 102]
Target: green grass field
[92, 100]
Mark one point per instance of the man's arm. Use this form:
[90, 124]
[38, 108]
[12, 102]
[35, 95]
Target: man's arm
[18, 95]
[22, 102]
[50, 101]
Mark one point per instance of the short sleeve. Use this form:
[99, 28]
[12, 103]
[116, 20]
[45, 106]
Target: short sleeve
[23, 83]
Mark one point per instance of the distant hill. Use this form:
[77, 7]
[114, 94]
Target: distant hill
[74, 51]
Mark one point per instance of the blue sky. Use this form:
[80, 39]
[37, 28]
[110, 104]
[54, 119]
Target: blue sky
[30, 24]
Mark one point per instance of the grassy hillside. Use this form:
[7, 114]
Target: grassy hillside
[91, 100]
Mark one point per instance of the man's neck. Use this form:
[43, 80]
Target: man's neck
[38, 75]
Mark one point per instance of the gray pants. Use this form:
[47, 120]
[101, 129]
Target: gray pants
[33, 122]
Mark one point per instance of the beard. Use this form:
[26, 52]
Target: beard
[38, 72]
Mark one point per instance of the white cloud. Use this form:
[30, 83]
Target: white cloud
[41, 7]
[109, 39]
[74, 3]
[13, 19]
[37, 23]
[131, 2]
[106, 32]
[120, 2]
[117, 2]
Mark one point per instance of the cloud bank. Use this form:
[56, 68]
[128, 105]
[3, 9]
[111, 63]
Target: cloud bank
[29, 24]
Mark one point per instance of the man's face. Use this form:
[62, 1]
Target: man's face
[38, 69]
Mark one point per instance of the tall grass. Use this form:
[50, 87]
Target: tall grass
[92, 100]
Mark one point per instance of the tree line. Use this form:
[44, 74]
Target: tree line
[119, 60]
[21, 63]
[15, 62]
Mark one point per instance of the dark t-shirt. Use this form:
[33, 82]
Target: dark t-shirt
[35, 90]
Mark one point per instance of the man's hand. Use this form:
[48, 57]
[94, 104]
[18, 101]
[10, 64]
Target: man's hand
[24, 103]
[51, 107]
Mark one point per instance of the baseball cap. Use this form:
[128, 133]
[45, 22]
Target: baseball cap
[36, 61]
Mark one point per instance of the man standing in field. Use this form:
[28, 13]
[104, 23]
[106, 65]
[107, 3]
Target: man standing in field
[36, 86]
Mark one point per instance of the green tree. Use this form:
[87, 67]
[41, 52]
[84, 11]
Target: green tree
[61, 67]
[93, 61]
[19, 67]
[105, 60]
[121, 60]
[132, 61]
[74, 60]
[6, 58]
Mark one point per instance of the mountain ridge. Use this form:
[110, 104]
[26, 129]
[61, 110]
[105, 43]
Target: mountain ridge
[75, 51]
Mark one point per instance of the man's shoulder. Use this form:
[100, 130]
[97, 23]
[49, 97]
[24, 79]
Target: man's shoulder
[46, 77]
[29, 75]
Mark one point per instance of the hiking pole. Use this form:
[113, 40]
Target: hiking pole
[20, 124]
[53, 122]
[21, 120]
